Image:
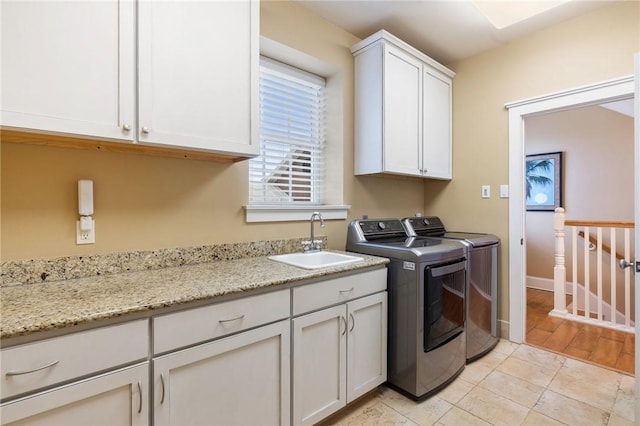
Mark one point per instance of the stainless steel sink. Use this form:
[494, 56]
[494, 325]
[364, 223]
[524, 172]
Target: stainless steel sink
[316, 260]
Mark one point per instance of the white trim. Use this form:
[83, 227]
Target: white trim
[547, 284]
[636, 178]
[264, 213]
[586, 95]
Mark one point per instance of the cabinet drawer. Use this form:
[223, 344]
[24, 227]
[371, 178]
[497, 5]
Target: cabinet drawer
[185, 328]
[28, 367]
[311, 297]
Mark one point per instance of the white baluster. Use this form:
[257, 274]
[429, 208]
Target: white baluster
[599, 270]
[559, 271]
[587, 275]
[613, 281]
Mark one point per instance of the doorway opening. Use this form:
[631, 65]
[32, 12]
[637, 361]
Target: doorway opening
[608, 91]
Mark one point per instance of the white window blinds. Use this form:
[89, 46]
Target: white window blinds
[289, 169]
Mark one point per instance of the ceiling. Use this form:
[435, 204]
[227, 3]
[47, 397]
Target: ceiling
[445, 30]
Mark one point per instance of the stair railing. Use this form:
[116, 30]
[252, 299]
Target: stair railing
[595, 307]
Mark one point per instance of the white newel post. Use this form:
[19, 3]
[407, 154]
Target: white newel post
[559, 270]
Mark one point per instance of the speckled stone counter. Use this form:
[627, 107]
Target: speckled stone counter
[32, 308]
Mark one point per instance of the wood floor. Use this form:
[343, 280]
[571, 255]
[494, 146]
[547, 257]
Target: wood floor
[600, 346]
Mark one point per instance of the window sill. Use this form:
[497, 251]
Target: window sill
[274, 213]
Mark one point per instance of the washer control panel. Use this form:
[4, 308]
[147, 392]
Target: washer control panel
[375, 227]
[424, 225]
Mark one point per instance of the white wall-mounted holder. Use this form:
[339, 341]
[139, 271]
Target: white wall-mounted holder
[85, 226]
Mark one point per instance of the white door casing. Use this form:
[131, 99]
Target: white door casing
[636, 156]
[607, 91]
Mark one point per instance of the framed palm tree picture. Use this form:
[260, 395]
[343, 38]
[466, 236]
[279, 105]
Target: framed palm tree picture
[543, 178]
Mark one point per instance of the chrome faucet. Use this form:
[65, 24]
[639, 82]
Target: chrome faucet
[313, 245]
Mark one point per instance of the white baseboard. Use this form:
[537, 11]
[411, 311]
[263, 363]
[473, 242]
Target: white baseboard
[546, 284]
[539, 283]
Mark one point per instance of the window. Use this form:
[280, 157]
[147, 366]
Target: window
[289, 170]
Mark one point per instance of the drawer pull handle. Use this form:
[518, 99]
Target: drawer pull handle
[162, 381]
[232, 319]
[20, 373]
[139, 397]
[353, 322]
[346, 291]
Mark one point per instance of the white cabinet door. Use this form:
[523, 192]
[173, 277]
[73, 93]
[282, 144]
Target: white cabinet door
[198, 65]
[436, 125]
[319, 364]
[116, 398]
[339, 354]
[69, 67]
[366, 344]
[402, 113]
[239, 380]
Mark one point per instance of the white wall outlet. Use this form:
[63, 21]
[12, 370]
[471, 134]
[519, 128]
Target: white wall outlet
[486, 191]
[86, 237]
[504, 191]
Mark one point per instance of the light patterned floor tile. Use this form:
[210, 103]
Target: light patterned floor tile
[493, 408]
[456, 390]
[397, 401]
[537, 419]
[527, 371]
[376, 413]
[505, 347]
[616, 420]
[513, 388]
[458, 417]
[475, 372]
[624, 405]
[594, 386]
[429, 412]
[491, 360]
[501, 388]
[539, 357]
[570, 411]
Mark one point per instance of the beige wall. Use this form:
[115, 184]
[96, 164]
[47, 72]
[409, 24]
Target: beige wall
[144, 202]
[592, 48]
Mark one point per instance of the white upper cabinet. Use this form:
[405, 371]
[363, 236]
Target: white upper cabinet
[69, 68]
[198, 74]
[402, 110]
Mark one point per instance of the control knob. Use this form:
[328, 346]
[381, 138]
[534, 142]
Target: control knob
[382, 226]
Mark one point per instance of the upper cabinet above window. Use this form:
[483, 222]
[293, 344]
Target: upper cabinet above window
[402, 110]
[187, 82]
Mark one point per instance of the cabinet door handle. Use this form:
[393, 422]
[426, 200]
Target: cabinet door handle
[345, 325]
[353, 322]
[126, 127]
[139, 397]
[20, 373]
[162, 382]
[239, 317]
[346, 291]
[145, 130]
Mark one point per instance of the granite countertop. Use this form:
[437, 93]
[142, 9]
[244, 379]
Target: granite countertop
[32, 308]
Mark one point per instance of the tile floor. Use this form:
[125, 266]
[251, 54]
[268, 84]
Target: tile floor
[598, 345]
[512, 385]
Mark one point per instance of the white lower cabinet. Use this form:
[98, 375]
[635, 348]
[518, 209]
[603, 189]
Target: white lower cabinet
[115, 398]
[243, 379]
[228, 363]
[339, 353]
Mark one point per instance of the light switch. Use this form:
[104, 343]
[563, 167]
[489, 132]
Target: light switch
[504, 191]
[486, 191]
